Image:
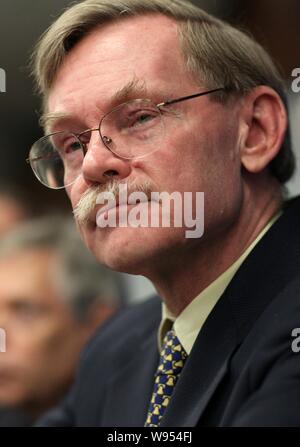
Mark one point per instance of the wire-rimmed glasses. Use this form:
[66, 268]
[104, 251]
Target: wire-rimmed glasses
[133, 129]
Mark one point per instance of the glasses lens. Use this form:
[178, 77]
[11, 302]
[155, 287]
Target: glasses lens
[132, 130]
[57, 159]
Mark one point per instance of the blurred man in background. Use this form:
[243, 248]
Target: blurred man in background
[14, 207]
[53, 295]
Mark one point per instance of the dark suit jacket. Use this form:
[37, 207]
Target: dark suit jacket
[11, 417]
[242, 370]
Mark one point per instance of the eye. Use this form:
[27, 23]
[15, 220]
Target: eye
[71, 146]
[65, 143]
[25, 310]
[142, 118]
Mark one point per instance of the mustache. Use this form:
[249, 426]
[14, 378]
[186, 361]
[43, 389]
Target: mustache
[87, 203]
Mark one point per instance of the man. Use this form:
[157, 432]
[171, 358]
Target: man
[13, 205]
[53, 295]
[161, 97]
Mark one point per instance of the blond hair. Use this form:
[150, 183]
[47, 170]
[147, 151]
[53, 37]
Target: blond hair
[215, 52]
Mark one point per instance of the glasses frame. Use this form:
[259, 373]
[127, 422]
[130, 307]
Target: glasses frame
[105, 139]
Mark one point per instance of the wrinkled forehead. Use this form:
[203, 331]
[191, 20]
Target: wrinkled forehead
[141, 51]
[141, 41]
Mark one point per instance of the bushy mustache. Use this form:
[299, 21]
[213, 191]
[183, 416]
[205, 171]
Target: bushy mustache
[87, 203]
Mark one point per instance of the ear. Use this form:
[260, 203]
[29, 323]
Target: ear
[265, 118]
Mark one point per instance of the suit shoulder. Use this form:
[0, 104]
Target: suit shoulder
[271, 338]
[136, 318]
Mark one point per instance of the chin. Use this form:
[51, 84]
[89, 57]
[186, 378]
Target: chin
[132, 250]
[120, 249]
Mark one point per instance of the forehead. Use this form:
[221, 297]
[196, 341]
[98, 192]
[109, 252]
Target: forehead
[144, 48]
[26, 270]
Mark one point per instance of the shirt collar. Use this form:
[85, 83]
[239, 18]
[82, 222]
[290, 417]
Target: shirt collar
[189, 323]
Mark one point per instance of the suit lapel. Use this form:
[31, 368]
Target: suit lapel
[203, 371]
[129, 391]
[256, 284]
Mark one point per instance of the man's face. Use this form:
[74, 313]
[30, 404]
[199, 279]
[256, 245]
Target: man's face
[42, 338]
[198, 154]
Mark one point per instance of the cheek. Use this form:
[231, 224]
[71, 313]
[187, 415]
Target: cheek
[206, 160]
[69, 192]
[74, 194]
[51, 351]
[181, 163]
[76, 190]
[28, 355]
[60, 352]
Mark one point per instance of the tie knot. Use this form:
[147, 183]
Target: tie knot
[172, 356]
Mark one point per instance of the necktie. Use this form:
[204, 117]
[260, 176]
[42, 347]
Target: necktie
[171, 362]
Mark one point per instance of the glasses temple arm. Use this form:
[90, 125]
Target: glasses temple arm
[184, 98]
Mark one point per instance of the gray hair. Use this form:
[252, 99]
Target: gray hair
[215, 52]
[77, 275]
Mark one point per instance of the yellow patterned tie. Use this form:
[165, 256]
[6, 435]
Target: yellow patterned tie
[171, 362]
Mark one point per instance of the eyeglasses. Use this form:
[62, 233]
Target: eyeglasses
[133, 129]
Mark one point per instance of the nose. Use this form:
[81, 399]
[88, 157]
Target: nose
[100, 164]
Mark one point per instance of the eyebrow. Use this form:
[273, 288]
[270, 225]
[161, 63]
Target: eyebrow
[133, 89]
[50, 118]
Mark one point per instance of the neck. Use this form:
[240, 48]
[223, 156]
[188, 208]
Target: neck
[184, 276]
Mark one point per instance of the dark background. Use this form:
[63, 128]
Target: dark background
[275, 23]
